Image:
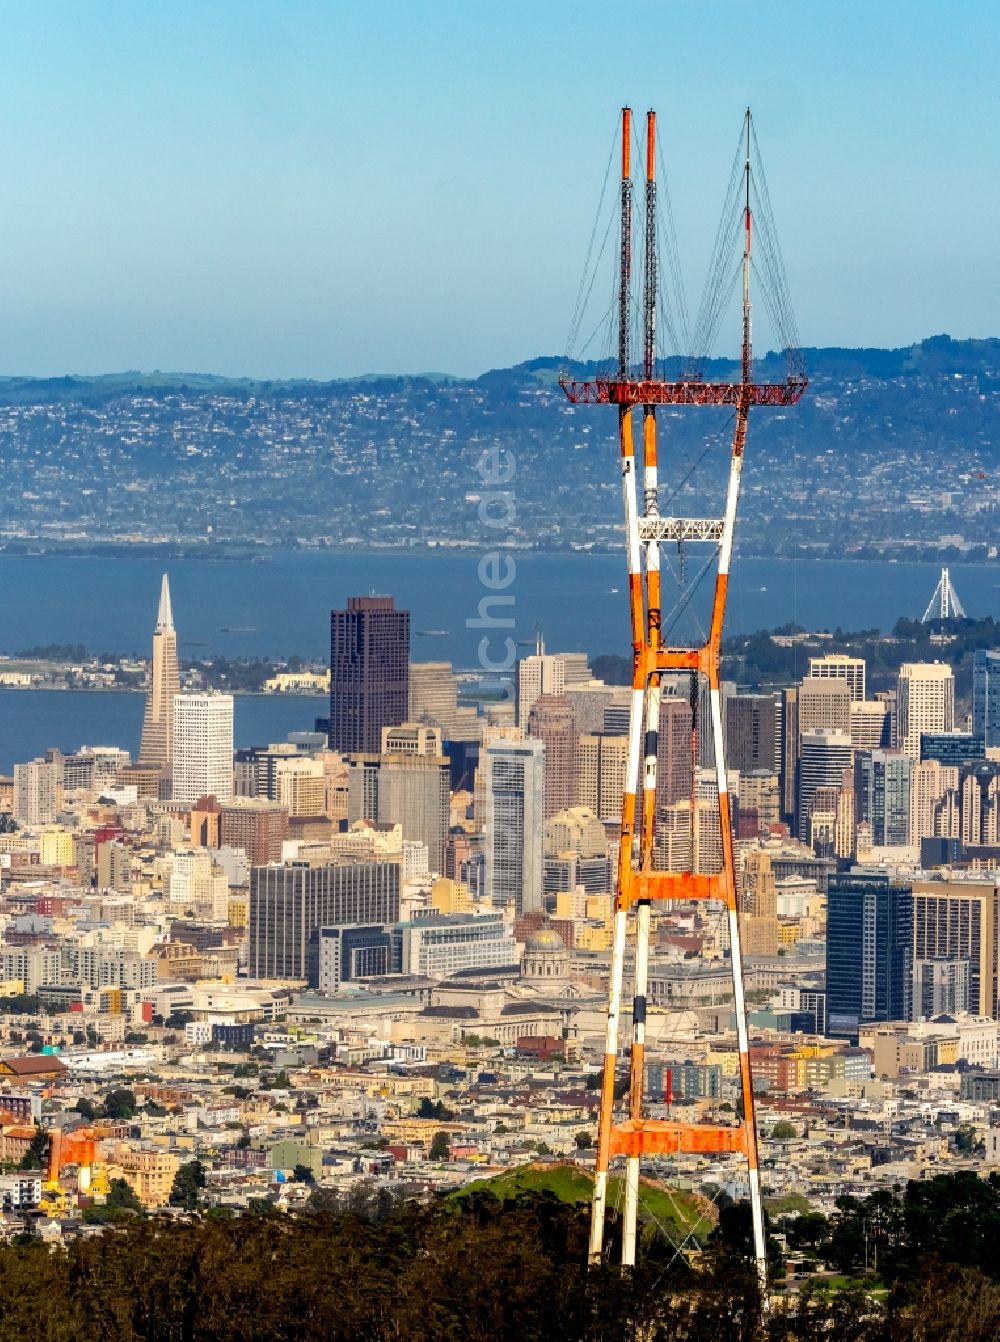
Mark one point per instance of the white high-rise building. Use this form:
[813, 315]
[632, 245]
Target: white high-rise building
[203, 746]
[925, 702]
[514, 827]
[541, 673]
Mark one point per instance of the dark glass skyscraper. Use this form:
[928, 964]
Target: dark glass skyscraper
[369, 672]
[869, 952]
[986, 695]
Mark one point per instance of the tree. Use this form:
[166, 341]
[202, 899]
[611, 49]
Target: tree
[188, 1184]
[783, 1131]
[302, 1174]
[119, 1103]
[35, 1156]
[86, 1108]
[429, 1109]
[584, 1141]
[440, 1150]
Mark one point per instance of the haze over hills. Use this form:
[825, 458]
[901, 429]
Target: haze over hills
[891, 452]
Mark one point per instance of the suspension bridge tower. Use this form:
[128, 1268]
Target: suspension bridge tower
[642, 381]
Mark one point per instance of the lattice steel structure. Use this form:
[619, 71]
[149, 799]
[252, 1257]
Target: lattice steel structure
[634, 1135]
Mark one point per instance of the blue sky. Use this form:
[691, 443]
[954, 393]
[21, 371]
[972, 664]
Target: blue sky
[322, 189]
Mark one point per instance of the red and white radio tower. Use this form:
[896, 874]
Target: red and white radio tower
[631, 1134]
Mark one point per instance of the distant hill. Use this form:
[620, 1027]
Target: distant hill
[890, 453]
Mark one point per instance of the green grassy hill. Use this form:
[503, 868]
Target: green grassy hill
[677, 1213]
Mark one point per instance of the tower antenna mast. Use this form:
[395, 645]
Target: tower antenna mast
[639, 885]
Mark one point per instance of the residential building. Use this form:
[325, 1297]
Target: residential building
[256, 825]
[882, 795]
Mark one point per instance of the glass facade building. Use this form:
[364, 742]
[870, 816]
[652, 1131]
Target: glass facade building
[869, 952]
[986, 695]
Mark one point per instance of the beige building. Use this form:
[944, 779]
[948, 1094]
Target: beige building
[758, 904]
[149, 1172]
[838, 666]
[869, 724]
[930, 782]
[961, 920]
[925, 702]
[824, 702]
[600, 767]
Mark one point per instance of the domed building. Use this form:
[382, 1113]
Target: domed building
[546, 960]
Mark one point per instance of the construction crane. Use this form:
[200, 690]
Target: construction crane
[633, 1135]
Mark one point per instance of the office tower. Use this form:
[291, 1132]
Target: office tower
[541, 673]
[823, 757]
[409, 784]
[986, 695]
[369, 672]
[844, 839]
[37, 792]
[202, 746]
[925, 702]
[751, 725]
[870, 725]
[576, 669]
[955, 748]
[882, 787]
[601, 764]
[758, 904]
[889, 697]
[257, 825]
[837, 666]
[411, 738]
[288, 906]
[300, 786]
[156, 746]
[930, 781]
[824, 703]
[706, 830]
[434, 697]
[869, 952]
[551, 721]
[674, 758]
[960, 920]
[514, 823]
[940, 987]
[788, 765]
[759, 794]
[589, 702]
[706, 746]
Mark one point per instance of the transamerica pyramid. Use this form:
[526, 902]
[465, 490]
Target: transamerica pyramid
[156, 748]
